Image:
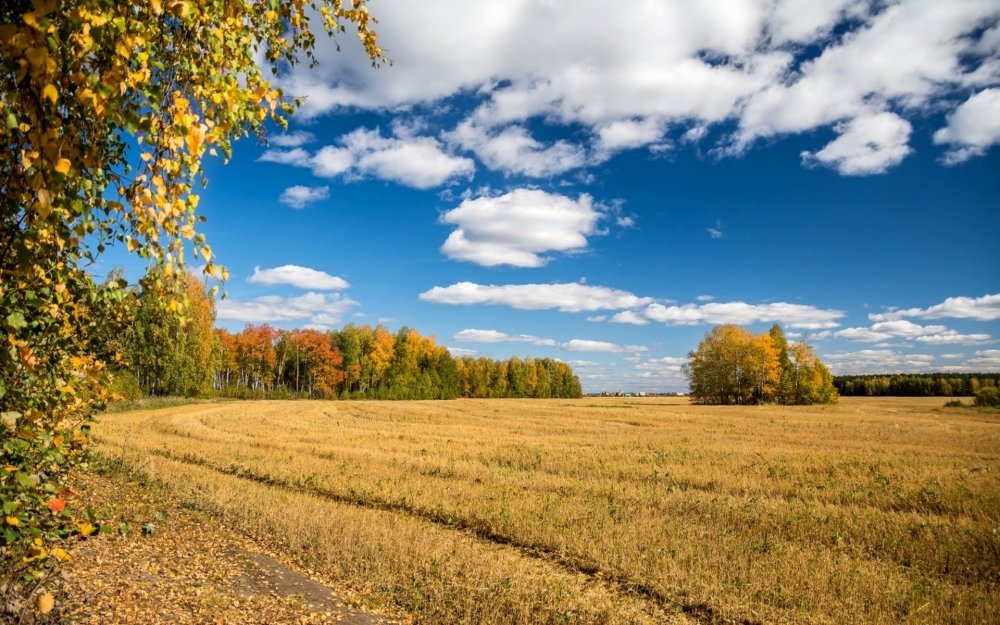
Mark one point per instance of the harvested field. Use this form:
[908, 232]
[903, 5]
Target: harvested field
[609, 510]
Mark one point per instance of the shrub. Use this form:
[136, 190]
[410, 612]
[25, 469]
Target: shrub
[989, 397]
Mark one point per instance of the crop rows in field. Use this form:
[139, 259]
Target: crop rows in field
[511, 511]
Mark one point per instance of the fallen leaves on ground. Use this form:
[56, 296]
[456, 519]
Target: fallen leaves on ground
[190, 569]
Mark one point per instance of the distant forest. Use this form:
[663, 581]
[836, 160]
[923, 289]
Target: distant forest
[915, 384]
[161, 354]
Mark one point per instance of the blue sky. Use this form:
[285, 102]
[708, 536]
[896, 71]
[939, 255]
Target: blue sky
[563, 180]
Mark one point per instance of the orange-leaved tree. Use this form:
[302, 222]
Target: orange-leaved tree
[106, 112]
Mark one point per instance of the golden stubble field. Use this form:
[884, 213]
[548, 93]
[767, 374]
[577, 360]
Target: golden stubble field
[610, 510]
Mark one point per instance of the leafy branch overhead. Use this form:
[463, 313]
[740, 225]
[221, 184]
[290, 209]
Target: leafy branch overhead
[107, 110]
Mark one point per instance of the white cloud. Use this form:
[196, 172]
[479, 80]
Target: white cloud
[985, 308]
[629, 133]
[628, 77]
[901, 328]
[514, 151]
[668, 370]
[515, 228]
[319, 309]
[868, 144]
[972, 127]
[493, 336]
[715, 233]
[951, 337]
[301, 277]
[630, 317]
[584, 345]
[877, 361]
[419, 162]
[705, 298]
[299, 157]
[985, 360]
[298, 196]
[458, 352]
[791, 315]
[567, 297]
[293, 139]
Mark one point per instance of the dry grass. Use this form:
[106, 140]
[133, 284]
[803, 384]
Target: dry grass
[606, 511]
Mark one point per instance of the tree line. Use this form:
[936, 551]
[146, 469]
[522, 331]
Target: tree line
[915, 384]
[734, 366]
[171, 355]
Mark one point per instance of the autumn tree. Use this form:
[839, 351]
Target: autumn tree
[734, 366]
[170, 354]
[106, 112]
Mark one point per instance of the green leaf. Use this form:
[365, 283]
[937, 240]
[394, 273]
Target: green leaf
[15, 321]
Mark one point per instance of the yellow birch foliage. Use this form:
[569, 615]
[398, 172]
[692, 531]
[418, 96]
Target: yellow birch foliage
[106, 112]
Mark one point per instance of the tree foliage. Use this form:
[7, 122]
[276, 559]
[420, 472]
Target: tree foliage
[106, 112]
[362, 362]
[916, 384]
[734, 366]
[168, 354]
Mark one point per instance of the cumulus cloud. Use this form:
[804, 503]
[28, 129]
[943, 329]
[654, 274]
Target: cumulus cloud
[297, 276]
[630, 317]
[513, 150]
[668, 370]
[791, 315]
[493, 336]
[517, 227]
[458, 352]
[868, 361]
[868, 144]
[628, 78]
[985, 360]
[972, 127]
[320, 310]
[584, 345]
[298, 196]
[293, 139]
[901, 328]
[415, 161]
[566, 297]
[985, 308]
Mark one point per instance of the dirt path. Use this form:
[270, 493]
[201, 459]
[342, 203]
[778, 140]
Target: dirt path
[185, 567]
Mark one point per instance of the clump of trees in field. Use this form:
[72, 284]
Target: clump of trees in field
[734, 366]
[167, 355]
[916, 384]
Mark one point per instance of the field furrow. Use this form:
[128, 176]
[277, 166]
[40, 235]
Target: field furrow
[876, 511]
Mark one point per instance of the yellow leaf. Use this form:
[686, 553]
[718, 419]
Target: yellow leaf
[86, 528]
[206, 253]
[49, 91]
[131, 244]
[44, 203]
[46, 602]
[61, 554]
[62, 166]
